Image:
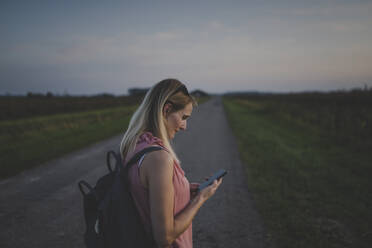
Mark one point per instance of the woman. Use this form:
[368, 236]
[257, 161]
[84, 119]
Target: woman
[166, 201]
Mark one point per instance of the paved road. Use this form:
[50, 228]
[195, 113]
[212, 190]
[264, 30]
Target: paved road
[42, 207]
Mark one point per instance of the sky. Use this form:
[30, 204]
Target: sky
[92, 47]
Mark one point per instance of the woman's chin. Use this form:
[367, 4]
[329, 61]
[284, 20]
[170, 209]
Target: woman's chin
[172, 135]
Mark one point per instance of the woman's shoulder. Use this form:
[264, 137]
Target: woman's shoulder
[155, 160]
[157, 166]
[159, 158]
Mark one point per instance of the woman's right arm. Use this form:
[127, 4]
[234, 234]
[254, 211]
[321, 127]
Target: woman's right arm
[159, 176]
[185, 217]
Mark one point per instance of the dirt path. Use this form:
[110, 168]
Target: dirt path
[229, 218]
[42, 207]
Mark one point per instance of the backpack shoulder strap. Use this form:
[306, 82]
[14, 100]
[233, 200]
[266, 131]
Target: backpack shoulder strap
[139, 154]
[124, 172]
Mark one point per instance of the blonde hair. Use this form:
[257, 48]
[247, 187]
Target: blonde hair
[149, 115]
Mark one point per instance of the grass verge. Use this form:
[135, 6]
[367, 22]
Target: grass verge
[28, 142]
[310, 190]
[203, 99]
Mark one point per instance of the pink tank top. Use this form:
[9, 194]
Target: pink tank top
[141, 195]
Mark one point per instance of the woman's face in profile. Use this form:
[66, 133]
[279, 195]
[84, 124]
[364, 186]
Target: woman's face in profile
[178, 120]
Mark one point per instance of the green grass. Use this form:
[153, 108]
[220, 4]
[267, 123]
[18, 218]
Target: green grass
[20, 107]
[312, 190]
[203, 99]
[28, 142]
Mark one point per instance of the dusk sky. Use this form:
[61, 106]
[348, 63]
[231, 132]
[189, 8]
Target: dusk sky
[90, 47]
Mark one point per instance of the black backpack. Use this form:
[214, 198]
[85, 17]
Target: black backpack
[111, 217]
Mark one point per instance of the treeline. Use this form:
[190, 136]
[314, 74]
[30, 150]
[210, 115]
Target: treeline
[342, 113]
[35, 104]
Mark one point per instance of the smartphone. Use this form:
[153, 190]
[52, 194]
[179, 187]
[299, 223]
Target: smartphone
[210, 180]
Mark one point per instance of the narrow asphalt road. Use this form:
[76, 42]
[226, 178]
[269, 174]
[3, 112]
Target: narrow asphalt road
[42, 207]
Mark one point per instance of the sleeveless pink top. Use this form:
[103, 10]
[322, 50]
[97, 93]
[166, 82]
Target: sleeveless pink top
[141, 195]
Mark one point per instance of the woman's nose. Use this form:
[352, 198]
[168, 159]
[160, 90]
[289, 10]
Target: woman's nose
[183, 126]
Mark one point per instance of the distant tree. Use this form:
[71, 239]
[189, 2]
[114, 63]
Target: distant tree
[49, 94]
[355, 90]
[199, 93]
[31, 94]
[137, 91]
[105, 95]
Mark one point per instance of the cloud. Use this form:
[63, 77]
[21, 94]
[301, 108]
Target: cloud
[215, 50]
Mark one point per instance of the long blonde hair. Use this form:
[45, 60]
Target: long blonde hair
[149, 115]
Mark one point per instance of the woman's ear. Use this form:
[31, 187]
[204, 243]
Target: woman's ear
[167, 108]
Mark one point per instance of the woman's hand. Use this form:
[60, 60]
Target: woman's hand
[207, 192]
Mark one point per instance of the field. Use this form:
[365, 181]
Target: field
[18, 107]
[26, 143]
[308, 164]
[36, 129]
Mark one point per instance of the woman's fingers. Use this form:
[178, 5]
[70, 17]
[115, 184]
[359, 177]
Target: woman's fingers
[211, 189]
[194, 186]
[217, 183]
